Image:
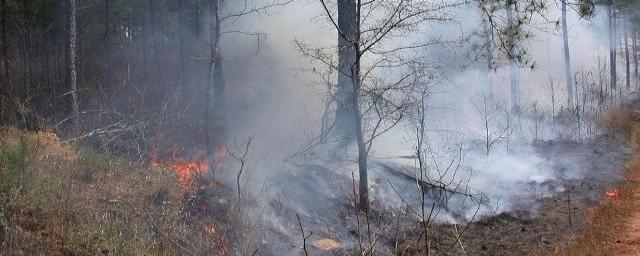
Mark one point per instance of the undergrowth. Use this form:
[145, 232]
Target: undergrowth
[608, 220]
[60, 200]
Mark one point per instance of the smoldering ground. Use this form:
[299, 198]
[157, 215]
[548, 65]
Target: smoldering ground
[280, 103]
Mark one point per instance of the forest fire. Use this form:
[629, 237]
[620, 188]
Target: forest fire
[190, 168]
[613, 194]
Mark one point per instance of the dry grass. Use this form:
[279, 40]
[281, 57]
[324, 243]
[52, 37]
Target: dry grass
[618, 122]
[608, 222]
[57, 200]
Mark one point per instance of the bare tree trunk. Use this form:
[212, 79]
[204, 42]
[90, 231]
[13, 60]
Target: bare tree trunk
[567, 59]
[107, 72]
[24, 91]
[345, 111]
[349, 86]
[214, 120]
[612, 48]
[634, 42]
[363, 186]
[489, 33]
[72, 75]
[5, 45]
[626, 58]
[513, 69]
[181, 50]
[145, 47]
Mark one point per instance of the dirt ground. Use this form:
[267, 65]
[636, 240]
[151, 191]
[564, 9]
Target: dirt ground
[629, 243]
[557, 218]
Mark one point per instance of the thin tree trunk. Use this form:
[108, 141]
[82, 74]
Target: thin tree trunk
[181, 49]
[513, 69]
[72, 75]
[344, 123]
[47, 67]
[634, 42]
[145, 47]
[215, 121]
[363, 151]
[612, 48]
[626, 58]
[489, 34]
[567, 59]
[107, 71]
[5, 45]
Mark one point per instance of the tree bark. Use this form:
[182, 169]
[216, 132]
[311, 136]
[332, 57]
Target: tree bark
[634, 42]
[612, 48]
[214, 120]
[627, 61]
[363, 151]
[567, 59]
[513, 69]
[345, 110]
[107, 72]
[489, 79]
[72, 75]
[5, 44]
[181, 50]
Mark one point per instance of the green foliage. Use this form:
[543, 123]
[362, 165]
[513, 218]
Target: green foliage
[161, 195]
[13, 157]
[586, 9]
[511, 37]
[14, 163]
[91, 162]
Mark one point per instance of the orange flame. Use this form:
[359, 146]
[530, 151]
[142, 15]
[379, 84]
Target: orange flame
[613, 194]
[210, 228]
[188, 169]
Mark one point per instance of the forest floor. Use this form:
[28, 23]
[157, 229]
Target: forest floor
[613, 226]
[597, 212]
[56, 199]
[60, 200]
[548, 229]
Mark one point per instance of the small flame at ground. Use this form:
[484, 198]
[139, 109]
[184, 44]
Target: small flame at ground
[613, 194]
[188, 169]
[327, 244]
[210, 228]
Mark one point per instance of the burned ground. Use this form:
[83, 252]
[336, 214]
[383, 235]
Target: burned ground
[585, 171]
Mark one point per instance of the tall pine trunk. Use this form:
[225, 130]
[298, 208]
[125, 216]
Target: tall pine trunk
[567, 59]
[71, 62]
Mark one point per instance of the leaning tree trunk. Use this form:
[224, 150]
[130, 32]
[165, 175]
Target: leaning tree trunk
[567, 59]
[513, 69]
[72, 74]
[344, 122]
[214, 119]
